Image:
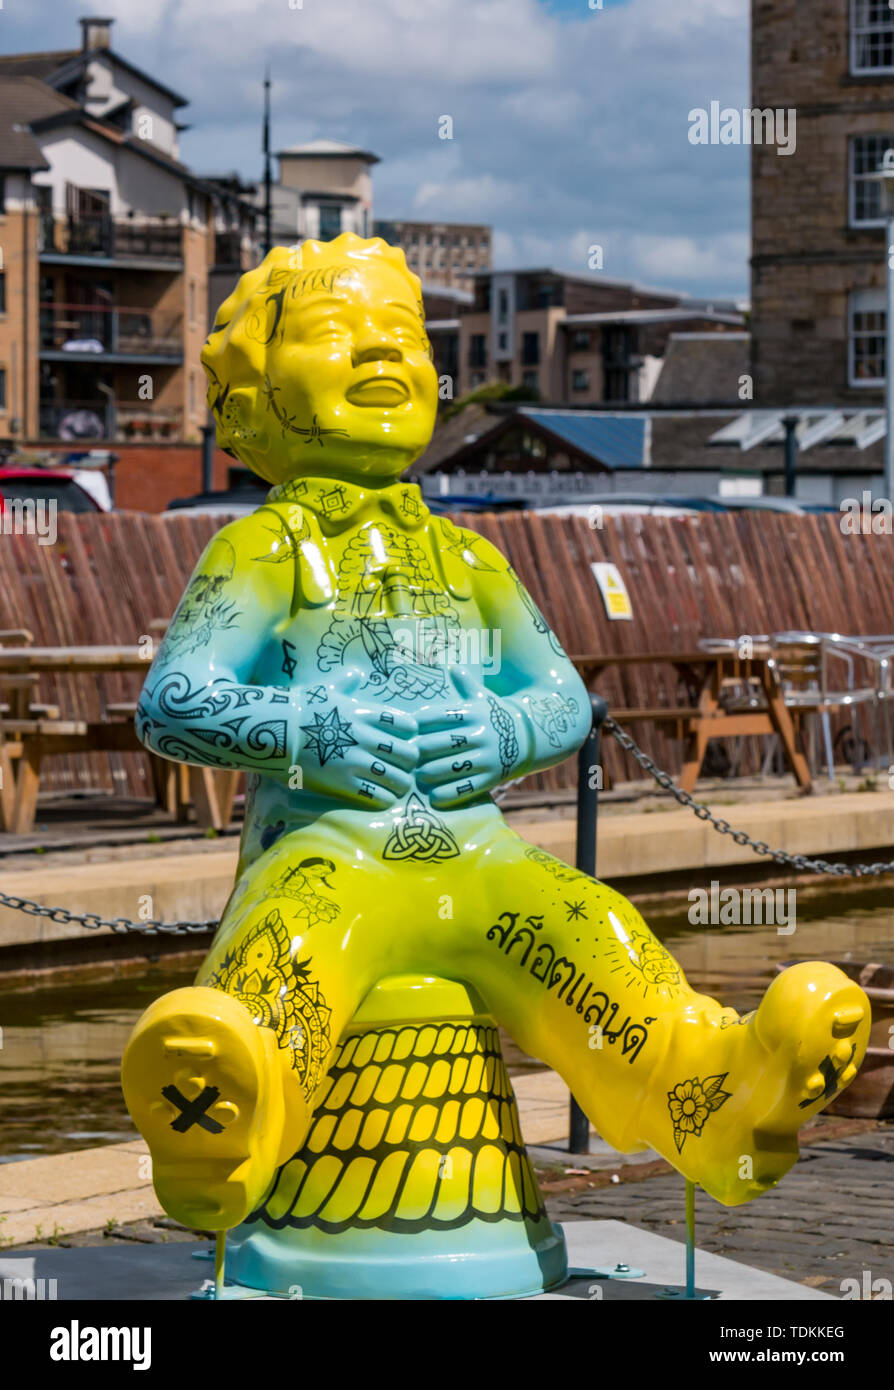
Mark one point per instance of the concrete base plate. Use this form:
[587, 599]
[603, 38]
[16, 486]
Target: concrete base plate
[169, 1272]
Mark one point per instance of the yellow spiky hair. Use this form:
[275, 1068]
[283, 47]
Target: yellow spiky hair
[348, 250]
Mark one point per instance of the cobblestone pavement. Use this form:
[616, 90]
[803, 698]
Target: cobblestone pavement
[831, 1218]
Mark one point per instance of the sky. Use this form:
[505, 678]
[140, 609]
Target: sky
[570, 125]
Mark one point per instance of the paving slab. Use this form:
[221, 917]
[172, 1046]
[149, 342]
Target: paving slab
[171, 1272]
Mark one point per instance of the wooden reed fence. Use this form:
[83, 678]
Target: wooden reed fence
[711, 575]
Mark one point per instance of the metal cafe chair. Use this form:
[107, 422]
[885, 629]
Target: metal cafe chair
[878, 652]
[742, 692]
[801, 664]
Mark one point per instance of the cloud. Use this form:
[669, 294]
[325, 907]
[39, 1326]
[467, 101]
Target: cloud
[570, 125]
[672, 259]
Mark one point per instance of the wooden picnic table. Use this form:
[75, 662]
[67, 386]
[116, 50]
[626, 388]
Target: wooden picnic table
[707, 717]
[29, 736]
[72, 660]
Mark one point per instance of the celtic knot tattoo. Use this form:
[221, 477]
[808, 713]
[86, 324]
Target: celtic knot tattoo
[420, 834]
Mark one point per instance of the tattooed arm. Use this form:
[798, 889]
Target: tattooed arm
[530, 711]
[200, 703]
[536, 683]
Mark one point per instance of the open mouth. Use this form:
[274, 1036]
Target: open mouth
[379, 391]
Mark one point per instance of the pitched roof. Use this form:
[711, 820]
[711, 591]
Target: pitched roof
[35, 64]
[454, 434]
[63, 65]
[702, 369]
[614, 441]
[328, 149]
[24, 100]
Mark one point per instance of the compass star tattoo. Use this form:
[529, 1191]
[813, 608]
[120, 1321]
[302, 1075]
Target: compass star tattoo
[328, 736]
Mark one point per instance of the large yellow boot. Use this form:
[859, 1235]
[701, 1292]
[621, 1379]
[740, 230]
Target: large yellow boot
[207, 1089]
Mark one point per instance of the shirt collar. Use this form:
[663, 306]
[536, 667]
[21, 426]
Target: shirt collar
[337, 503]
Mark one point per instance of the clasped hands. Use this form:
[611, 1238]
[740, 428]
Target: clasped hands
[371, 754]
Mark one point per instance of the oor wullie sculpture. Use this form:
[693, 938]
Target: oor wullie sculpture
[326, 645]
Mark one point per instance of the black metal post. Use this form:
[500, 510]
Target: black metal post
[791, 454]
[208, 436]
[589, 778]
[268, 182]
[113, 459]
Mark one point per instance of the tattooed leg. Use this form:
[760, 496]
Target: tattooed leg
[577, 978]
[220, 1078]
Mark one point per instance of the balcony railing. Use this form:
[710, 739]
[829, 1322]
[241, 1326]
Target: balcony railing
[228, 249]
[99, 234]
[110, 420]
[82, 329]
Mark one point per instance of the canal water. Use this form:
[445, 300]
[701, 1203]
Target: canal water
[61, 1047]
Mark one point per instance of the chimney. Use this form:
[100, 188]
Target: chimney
[96, 33]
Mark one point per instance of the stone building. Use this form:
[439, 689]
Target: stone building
[571, 338]
[442, 253]
[818, 255]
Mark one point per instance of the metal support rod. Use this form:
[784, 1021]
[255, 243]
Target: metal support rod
[889, 365]
[690, 1239]
[220, 1260]
[791, 454]
[589, 780]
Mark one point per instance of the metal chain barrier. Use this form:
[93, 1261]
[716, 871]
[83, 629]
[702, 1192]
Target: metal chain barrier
[664, 780]
[91, 920]
[723, 827]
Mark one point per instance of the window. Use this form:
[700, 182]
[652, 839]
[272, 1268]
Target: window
[866, 338]
[2, 388]
[330, 221]
[530, 380]
[478, 350]
[2, 193]
[531, 349]
[872, 36]
[2, 291]
[580, 381]
[192, 301]
[503, 341]
[580, 340]
[477, 379]
[192, 393]
[503, 302]
[867, 153]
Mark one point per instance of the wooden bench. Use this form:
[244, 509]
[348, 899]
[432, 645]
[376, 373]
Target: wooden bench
[211, 791]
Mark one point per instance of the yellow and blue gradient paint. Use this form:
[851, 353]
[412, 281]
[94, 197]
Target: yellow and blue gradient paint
[378, 672]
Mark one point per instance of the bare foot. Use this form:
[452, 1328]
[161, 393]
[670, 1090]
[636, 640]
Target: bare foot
[734, 1114]
[205, 1087]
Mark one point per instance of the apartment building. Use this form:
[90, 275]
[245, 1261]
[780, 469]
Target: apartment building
[108, 246]
[818, 263]
[576, 339]
[442, 253]
[324, 188]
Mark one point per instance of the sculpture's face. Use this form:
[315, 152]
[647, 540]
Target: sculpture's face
[327, 370]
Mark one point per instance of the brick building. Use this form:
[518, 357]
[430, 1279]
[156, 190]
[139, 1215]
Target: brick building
[572, 338]
[818, 262]
[442, 253]
[109, 244]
